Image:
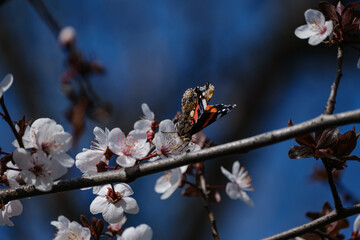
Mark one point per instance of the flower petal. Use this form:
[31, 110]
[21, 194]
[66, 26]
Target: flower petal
[125, 161]
[235, 168]
[64, 159]
[124, 189]
[6, 83]
[149, 115]
[143, 125]
[114, 213]
[227, 174]
[129, 205]
[316, 39]
[98, 205]
[116, 140]
[304, 31]
[100, 136]
[314, 16]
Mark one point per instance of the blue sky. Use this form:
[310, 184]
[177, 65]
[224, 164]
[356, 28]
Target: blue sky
[153, 51]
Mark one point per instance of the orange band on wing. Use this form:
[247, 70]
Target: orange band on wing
[196, 114]
[213, 110]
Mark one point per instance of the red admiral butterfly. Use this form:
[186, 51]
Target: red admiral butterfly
[196, 113]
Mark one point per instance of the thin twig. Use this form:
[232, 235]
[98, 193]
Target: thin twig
[317, 223]
[330, 105]
[10, 122]
[44, 13]
[240, 146]
[329, 109]
[205, 201]
[337, 200]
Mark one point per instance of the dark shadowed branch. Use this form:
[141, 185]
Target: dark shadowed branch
[206, 203]
[45, 15]
[330, 105]
[329, 109]
[313, 225]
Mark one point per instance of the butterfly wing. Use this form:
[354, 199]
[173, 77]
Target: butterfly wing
[209, 115]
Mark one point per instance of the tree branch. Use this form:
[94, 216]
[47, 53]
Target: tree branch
[10, 122]
[313, 225]
[240, 146]
[205, 201]
[337, 200]
[330, 105]
[44, 13]
[329, 109]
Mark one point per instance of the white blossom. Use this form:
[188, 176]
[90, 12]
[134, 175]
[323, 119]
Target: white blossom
[6, 83]
[141, 232]
[112, 205]
[44, 134]
[87, 160]
[116, 227]
[12, 175]
[239, 183]
[147, 120]
[169, 182]
[37, 169]
[11, 209]
[356, 223]
[316, 29]
[70, 230]
[134, 146]
[168, 142]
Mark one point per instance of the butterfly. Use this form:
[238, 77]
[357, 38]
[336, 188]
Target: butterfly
[196, 113]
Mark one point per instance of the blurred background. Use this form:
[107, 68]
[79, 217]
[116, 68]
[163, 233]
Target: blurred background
[152, 52]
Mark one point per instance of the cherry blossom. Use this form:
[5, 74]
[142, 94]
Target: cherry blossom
[37, 169]
[146, 123]
[316, 29]
[128, 149]
[116, 227]
[168, 143]
[11, 209]
[141, 232]
[6, 83]
[113, 202]
[12, 175]
[356, 226]
[44, 134]
[239, 183]
[169, 182]
[88, 160]
[70, 230]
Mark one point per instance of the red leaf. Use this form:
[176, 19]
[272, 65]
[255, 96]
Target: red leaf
[298, 152]
[328, 138]
[346, 143]
[329, 11]
[348, 13]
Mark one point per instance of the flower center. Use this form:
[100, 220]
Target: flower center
[112, 196]
[46, 148]
[165, 150]
[37, 170]
[126, 150]
[319, 26]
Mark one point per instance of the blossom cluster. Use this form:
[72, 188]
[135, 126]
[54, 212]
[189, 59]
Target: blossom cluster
[147, 141]
[41, 157]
